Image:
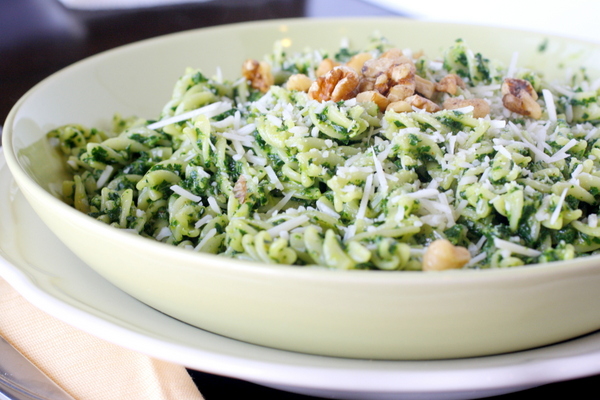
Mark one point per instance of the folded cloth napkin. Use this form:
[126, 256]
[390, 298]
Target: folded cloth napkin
[86, 367]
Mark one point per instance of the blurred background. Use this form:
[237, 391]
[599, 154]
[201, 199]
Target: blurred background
[39, 37]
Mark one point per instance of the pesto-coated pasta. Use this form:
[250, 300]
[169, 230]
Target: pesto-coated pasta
[364, 161]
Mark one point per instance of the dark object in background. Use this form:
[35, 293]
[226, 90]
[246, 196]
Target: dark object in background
[36, 35]
[107, 29]
[39, 37]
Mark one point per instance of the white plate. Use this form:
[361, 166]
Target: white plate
[41, 268]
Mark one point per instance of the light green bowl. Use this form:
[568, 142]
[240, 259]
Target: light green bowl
[361, 314]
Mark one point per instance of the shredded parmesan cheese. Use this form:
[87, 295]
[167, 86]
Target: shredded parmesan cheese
[288, 225]
[210, 111]
[209, 235]
[558, 209]
[515, 248]
[203, 221]
[381, 178]
[550, 107]
[424, 194]
[163, 233]
[104, 176]
[274, 177]
[593, 220]
[365, 198]
[212, 202]
[184, 193]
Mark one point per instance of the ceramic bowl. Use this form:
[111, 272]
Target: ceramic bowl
[357, 314]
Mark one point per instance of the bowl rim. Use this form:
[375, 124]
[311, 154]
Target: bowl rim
[28, 184]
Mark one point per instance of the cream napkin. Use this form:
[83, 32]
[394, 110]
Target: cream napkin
[86, 367]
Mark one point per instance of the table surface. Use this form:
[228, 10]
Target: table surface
[39, 37]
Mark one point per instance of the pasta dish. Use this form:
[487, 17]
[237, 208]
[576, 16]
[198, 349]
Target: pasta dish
[378, 158]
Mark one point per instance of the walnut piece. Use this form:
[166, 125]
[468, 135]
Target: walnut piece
[442, 255]
[481, 108]
[424, 87]
[450, 84]
[398, 73]
[299, 82]
[401, 91]
[372, 69]
[358, 60]
[259, 74]
[399, 106]
[394, 54]
[341, 83]
[382, 83]
[390, 69]
[390, 82]
[374, 96]
[422, 103]
[403, 81]
[240, 189]
[326, 65]
[519, 96]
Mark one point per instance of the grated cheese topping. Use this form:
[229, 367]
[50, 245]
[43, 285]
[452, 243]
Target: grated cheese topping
[185, 193]
[514, 248]
[104, 176]
[209, 111]
[288, 225]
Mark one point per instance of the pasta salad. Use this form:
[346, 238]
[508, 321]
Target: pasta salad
[379, 158]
